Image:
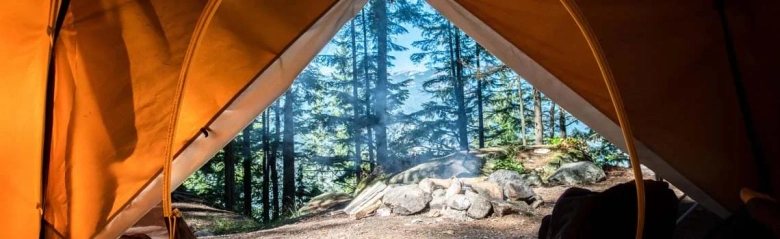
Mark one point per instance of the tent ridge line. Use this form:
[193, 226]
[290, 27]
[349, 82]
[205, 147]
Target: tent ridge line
[220, 112]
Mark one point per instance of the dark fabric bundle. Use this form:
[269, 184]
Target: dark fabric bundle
[581, 213]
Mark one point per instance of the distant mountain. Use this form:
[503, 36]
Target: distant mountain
[416, 94]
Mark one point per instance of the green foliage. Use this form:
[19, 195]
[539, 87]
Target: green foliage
[509, 164]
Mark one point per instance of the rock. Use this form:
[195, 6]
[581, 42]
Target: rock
[459, 164]
[456, 215]
[458, 202]
[503, 176]
[455, 188]
[577, 173]
[502, 208]
[489, 189]
[532, 179]
[433, 213]
[562, 158]
[203, 233]
[407, 199]
[426, 185]
[416, 220]
[438, 193]
[513, 184]
[480, 206]
[518, 191]
[384, 211]
[449, 232]
[438, 200]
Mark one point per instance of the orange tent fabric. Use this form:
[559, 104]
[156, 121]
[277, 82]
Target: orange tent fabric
[117, 65]
[671, 64]
[23, 73]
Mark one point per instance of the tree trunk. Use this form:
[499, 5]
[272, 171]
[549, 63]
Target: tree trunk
[266, 161]
[460, 96]
[381, 94]
[561, 123]
[522, 111]
[230, 176]
[481, 126]
[246, 137]
[356, 128]
[552, 119]
[274, 153]
[369, 130]
[538, 126]
[288, 155]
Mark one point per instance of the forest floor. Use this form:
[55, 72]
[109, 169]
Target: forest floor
[330, 225]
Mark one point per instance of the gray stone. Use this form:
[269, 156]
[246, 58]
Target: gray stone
[455, 188]
[459, 164]
[458, 202]
[456, 215]
[503, 176]
[426, 185]
[438, 193]
[532, 179]
[577, 173]
[407, 199]
[480, 206]
[503, 208]
[439, 200]
[518, 191]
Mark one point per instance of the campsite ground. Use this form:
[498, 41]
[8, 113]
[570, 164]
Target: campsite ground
[328, 225]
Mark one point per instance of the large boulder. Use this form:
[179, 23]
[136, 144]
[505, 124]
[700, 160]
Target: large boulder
[480, 206]
[407, 199]
[563, 157]
[513, 185]
[577, 173]
[459, 164]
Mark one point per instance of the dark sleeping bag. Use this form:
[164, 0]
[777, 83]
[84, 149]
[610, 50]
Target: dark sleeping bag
[581, 213]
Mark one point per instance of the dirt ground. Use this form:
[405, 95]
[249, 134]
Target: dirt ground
[326, 225]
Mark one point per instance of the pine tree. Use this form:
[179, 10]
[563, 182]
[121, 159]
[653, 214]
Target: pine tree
[266, 166]
[538, 125]
[561, 123]
[230, 177]
[246, 141]
[356, 122]
[288, 154]
[523, 131]
[273, 167]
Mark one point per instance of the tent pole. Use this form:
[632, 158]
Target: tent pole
[61, 9]
[761, 167]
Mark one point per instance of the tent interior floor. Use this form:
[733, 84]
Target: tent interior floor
[325, 225]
